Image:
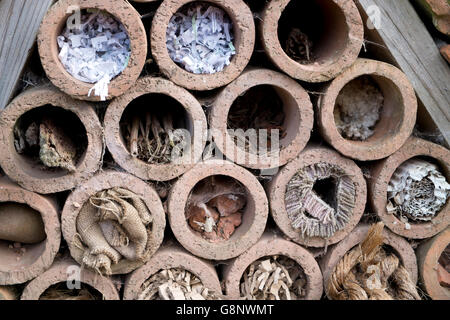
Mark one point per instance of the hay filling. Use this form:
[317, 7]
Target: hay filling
[358, 108]
[259, 108]
[370, 272]
[315, 215]
[52, 138]
[174, 284]
[417, 191]
[113, 226]
[151, 134]
[274, 278]
[215, 207]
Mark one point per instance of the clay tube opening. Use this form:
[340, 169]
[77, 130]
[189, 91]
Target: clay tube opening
[149, 133]
[59, 291]
[49, 141]
[22, 236]
[201, 38]
[264, 107]
[418, 190]
[287, 271]
[313, 31]
[369, 108]
[218, 207]
[92, 50]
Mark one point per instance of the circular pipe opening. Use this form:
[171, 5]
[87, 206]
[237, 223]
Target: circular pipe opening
[68, 13]
[216, 209]
[150, 133]
[49, 141]
[313, 32]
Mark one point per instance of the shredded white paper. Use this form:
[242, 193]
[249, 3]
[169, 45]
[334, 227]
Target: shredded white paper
[200, 39]
[417, 190]
[95, 51]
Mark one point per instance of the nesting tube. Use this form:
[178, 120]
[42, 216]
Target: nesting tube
[294, 126]
[244, 40]
[317, 198]
[23, 261]
[383, 172]
[194, 122]
[253, 218]
[78, 151]
[330, 48]
[401, 248]
[113, 223]
[368, 134]
[68, 272]
[55, 21]
[172, 257]
[271, 245]
[433, 275]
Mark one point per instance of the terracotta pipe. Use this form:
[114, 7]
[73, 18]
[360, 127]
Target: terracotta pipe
[244, 34]
[349, 174]
[104, 181]
[272, 244]
[18, 265]
[168, 257]
[298, 122]
[253, 219]
[337, 46]
[52, 26]
[195, 118]
[65, 271]
[21, 169]
[397, 116]
[381, 174]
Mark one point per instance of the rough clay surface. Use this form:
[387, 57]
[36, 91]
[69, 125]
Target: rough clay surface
[272, 244]
[59, 272]
[244, 30]
[428, 255]
[315, 72]
[107, 180]
[277, 190]
[28, 267]
[33, 178]
[299, 120]
[400, 107]
[172, 256]
[380, 176]
[253, 219]
[119, 151]
[401, 247]
[48, 48]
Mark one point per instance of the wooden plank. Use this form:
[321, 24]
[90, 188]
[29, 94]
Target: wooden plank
[406, 42]
[20, 20]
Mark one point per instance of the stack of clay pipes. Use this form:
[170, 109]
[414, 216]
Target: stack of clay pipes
[311, 138]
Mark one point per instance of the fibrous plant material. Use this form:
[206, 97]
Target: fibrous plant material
[259, 108]
[153, 139]
[274, 278]
[115, 225]
[94, 49]
[369, 272]
[417, 191]
[312, 214]
[175, 284]
[299, 47]
[358, 108]
[61, 292]
[48, 139]
[215, 208]
[200, 38]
